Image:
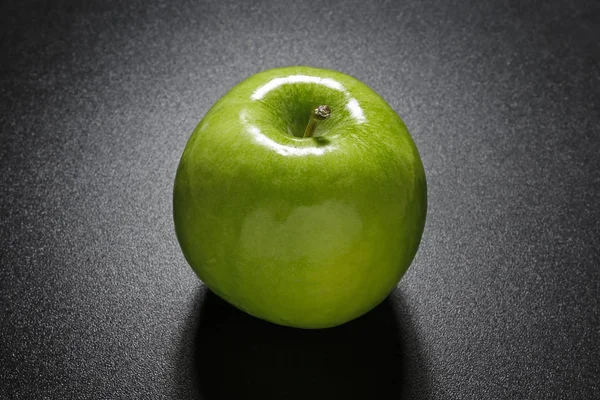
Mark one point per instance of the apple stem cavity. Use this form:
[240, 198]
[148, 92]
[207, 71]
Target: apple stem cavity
[320, 113]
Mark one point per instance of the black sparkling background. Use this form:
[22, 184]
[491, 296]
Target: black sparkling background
[98, 99]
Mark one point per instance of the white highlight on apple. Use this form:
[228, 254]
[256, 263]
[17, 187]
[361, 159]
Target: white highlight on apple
[286, 150]
[281, 148]
[355, 110]
[352, 105]
[275, 83]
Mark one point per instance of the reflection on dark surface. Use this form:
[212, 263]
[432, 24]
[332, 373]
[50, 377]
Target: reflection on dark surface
[240, 357]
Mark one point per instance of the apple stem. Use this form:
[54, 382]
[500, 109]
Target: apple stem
[320, 113]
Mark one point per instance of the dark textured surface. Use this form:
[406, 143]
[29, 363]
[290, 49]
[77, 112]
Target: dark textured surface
[98, 100]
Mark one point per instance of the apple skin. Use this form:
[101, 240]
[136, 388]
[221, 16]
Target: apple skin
[302, 232]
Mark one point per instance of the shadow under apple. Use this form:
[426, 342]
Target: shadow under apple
[237, 356]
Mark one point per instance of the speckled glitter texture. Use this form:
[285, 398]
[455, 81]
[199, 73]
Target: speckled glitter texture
[98, 100]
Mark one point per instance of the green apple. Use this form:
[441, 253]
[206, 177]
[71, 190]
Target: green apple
[301, 215]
